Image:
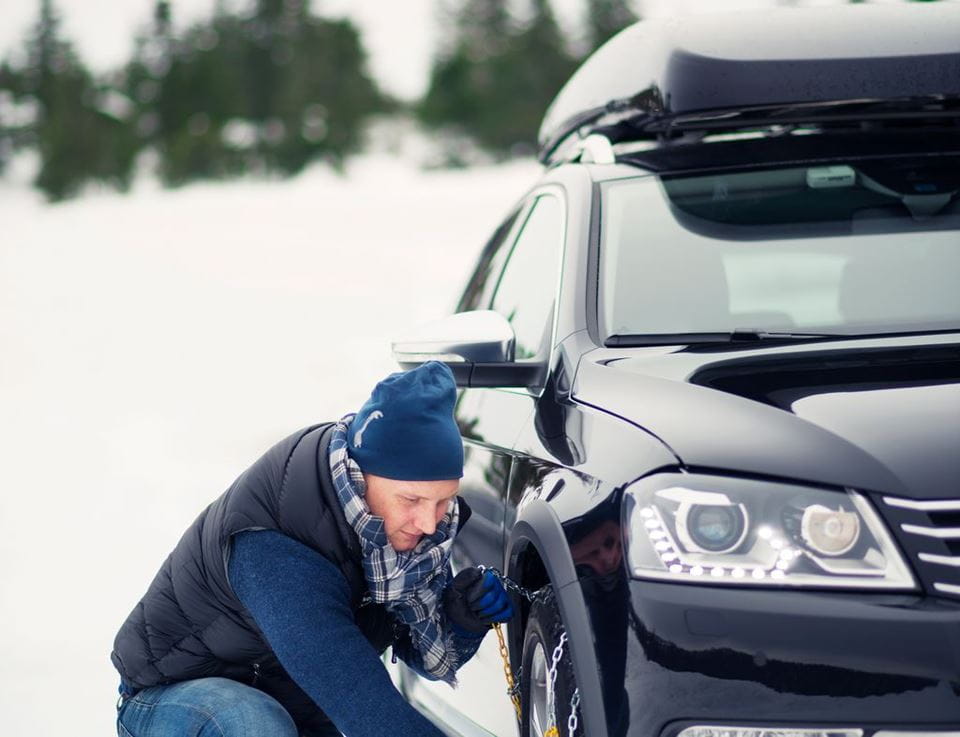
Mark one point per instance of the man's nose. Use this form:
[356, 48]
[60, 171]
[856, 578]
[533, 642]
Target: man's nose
[426, 520]
[612, 555]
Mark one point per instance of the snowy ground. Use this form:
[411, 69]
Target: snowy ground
[154, 345]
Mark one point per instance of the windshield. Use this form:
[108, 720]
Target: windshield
[850, 248]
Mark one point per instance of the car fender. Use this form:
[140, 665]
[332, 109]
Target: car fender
[537, 525]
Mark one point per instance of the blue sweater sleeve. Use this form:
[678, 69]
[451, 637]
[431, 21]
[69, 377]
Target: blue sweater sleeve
[301, 603]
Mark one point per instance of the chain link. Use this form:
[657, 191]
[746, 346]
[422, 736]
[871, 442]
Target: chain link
[513, 690]
[513, 683]
[572, 720]
[552, 679]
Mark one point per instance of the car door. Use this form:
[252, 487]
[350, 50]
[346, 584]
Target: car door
[517, 275]
[520, 282]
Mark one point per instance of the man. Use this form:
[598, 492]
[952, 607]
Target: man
[269, 616]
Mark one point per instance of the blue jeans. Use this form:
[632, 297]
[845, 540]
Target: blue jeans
[204, 707]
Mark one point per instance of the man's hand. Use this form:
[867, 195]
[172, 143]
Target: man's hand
[475, 600]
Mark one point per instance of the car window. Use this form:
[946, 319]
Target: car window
[856, 248]
[484, 280]
[527, 287]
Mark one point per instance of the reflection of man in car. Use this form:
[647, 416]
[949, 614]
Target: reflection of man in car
[600, 549]
[596, 544]
[269, 616]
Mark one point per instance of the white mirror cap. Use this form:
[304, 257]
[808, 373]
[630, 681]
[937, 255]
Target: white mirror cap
[480, 336]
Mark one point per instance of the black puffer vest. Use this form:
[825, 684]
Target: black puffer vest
[190, 624]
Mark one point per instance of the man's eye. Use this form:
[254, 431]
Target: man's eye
[410, 499]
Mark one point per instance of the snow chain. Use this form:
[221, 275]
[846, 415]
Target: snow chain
[513, 682]
[512, 690]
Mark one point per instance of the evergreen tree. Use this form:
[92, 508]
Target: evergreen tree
[605, 18]
[483, 29]
[11, 87]
[464, 78]
[79, 134]
[266, 92]
[531, 73]
[202, 90]
[325, 95]
[496, 78]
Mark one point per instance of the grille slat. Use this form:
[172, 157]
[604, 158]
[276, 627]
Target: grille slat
[932, 505]
[941, 533]
[927, 529]
[943, 560]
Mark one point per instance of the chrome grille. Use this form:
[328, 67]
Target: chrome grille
[929, 532]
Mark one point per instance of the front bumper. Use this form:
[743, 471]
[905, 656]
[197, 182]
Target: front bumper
[674, 655]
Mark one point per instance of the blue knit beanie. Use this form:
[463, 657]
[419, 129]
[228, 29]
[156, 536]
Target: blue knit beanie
[406, 429]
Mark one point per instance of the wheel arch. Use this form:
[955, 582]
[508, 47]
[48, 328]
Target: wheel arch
[537, 553]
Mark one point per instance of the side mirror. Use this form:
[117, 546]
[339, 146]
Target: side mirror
[478, 347]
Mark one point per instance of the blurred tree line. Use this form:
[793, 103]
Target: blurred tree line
[275, 87]
[267, 91]
[271, 89]
[497, 73]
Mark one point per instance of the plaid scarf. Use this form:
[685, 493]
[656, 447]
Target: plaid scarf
[408, 583]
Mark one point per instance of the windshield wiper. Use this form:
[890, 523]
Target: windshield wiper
[748, 334]
[737, 336]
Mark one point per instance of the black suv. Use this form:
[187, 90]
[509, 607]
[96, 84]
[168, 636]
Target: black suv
[710, 400]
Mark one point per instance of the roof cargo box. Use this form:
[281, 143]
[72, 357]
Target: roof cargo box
[659, 73]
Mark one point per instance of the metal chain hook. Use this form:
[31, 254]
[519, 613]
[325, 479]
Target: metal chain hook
[513, 683]
[516, 588]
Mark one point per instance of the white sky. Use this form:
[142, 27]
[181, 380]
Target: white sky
[399, 36]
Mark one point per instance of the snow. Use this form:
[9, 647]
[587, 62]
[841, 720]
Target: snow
[155, 344]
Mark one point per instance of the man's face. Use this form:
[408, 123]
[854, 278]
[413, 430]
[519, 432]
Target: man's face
[601, 549]
[410, 509]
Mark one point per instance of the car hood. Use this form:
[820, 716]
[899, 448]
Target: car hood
[878, 415]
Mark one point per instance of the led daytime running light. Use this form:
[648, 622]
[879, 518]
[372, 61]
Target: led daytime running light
[673, 561]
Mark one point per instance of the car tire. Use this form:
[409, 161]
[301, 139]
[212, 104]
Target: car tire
[541, 638]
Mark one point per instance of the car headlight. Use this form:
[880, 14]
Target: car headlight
[715, 529]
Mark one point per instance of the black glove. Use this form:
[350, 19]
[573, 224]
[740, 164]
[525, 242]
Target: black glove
[475, 600]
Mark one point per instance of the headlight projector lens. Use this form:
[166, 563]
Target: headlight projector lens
[828, 531]
[711, 528]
